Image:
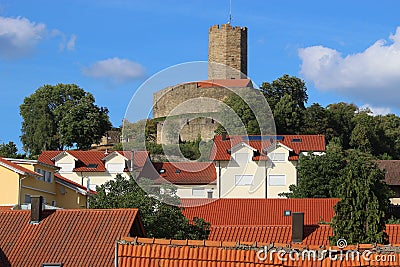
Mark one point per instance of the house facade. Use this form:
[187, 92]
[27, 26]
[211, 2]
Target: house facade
[21, 179]
[191, 179]
[94, 168]
[260, 166]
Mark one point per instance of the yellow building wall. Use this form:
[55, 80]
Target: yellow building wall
[68, 198]
[9, 182]
[34, 192]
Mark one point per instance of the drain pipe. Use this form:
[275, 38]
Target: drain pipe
[116, 254]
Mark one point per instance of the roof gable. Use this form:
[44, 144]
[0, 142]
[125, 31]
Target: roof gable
[295, 143]
[16, 168]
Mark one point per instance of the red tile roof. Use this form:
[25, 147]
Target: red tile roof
[316, 235]
[259, 211]
[392, 168]
[186, 172]
[93, 157]
[72, 183]
[6, 207]
[314, 143]
[151, 252]
[73, 237]
[15, 167]
[313, 234]
[225, 83]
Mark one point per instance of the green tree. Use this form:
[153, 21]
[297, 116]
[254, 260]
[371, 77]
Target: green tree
[246, 115]
[341, 121]
[160, 220]
[8, 150]
[319, 176]
[364, 202]
[316, 120]
[288, 116]
[61, 115]
[389, 135]
[364, 136]
[284, 85]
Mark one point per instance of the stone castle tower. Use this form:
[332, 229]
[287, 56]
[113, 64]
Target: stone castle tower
[227, 68]
[227, 45]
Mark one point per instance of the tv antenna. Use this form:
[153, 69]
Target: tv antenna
[230, 11]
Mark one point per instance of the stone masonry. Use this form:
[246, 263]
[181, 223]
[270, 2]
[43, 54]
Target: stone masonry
[227, 45]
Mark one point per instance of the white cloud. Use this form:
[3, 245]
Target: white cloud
[115, 69]
[376, 110]
[71, 42]
[372, 75]
[18, 36]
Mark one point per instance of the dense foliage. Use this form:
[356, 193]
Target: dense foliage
[61, 116]
[9, 150]
[160, 220]
[364, 203]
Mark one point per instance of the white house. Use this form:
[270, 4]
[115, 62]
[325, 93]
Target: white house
[91, 168]
[260, 166]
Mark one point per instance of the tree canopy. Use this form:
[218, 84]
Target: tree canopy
[160, 220]
[61, 115]
[364, 202]
[9, 150]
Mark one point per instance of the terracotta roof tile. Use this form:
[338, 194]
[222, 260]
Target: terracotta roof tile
[225, 83]
[232, 254]
[94, 157]
[13, 166]
[307, 143]
[73, 237]
[186, 172]
[392, 168]
[260, 211]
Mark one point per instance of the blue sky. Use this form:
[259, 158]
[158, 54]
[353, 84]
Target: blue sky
[344, 50]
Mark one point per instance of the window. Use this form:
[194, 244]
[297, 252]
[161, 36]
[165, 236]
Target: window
[244, 179]
[40, 172]
[277, 156]
[66, 167]
[27, 199]
[49, 177]
[44, 175]
[277, 179]
[242, 157]
[92, 165]
[115, 167]
[198, 191]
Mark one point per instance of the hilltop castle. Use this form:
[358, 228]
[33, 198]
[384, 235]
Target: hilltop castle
[227, 68]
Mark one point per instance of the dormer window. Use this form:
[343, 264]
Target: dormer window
[277, 156]
[92, 166]
[177, 171]
[242, 157]
[161, 171]
[65, 167]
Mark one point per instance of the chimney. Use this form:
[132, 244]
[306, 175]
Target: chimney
[297, 227]
[223, 135]
[36, 209]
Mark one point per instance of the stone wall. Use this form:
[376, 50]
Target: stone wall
[190, 129]
[227, 45]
